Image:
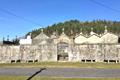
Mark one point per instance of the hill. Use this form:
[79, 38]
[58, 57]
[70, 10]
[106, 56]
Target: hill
[74, 27]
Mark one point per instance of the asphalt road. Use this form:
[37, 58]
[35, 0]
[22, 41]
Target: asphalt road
[62, 72]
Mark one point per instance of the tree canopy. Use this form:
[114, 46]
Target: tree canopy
[74, 27]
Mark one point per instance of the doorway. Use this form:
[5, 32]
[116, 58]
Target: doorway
[62, 51]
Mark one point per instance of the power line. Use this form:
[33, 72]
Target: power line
[105, 6]
[20, 17]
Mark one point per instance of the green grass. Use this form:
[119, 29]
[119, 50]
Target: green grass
[62, 65]
[51, 78]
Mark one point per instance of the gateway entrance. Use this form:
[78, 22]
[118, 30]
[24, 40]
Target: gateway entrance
[62, 51]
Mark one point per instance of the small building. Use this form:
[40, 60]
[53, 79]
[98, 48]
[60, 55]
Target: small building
[27, 41]
[94, 38]
[109, 37]
[80, 39]
[40, 38]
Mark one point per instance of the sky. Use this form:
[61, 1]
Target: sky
[17, 17]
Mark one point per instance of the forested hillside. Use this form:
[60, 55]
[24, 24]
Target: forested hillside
[73, 27]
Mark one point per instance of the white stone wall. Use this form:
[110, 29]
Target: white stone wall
[97, 52]
[95, 38]
[109, 38]
[80, 39]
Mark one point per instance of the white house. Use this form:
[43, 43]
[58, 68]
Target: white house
[27, 41]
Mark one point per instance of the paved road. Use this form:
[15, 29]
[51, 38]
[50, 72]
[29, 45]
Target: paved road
[62, 72]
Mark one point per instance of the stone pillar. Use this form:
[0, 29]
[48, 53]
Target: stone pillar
[108, 61]
[15, 61]
[91, 61]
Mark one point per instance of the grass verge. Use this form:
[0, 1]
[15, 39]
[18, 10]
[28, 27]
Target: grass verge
[51, 78]
[62, 65]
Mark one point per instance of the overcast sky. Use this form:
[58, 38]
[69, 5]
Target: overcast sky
[17, 17]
